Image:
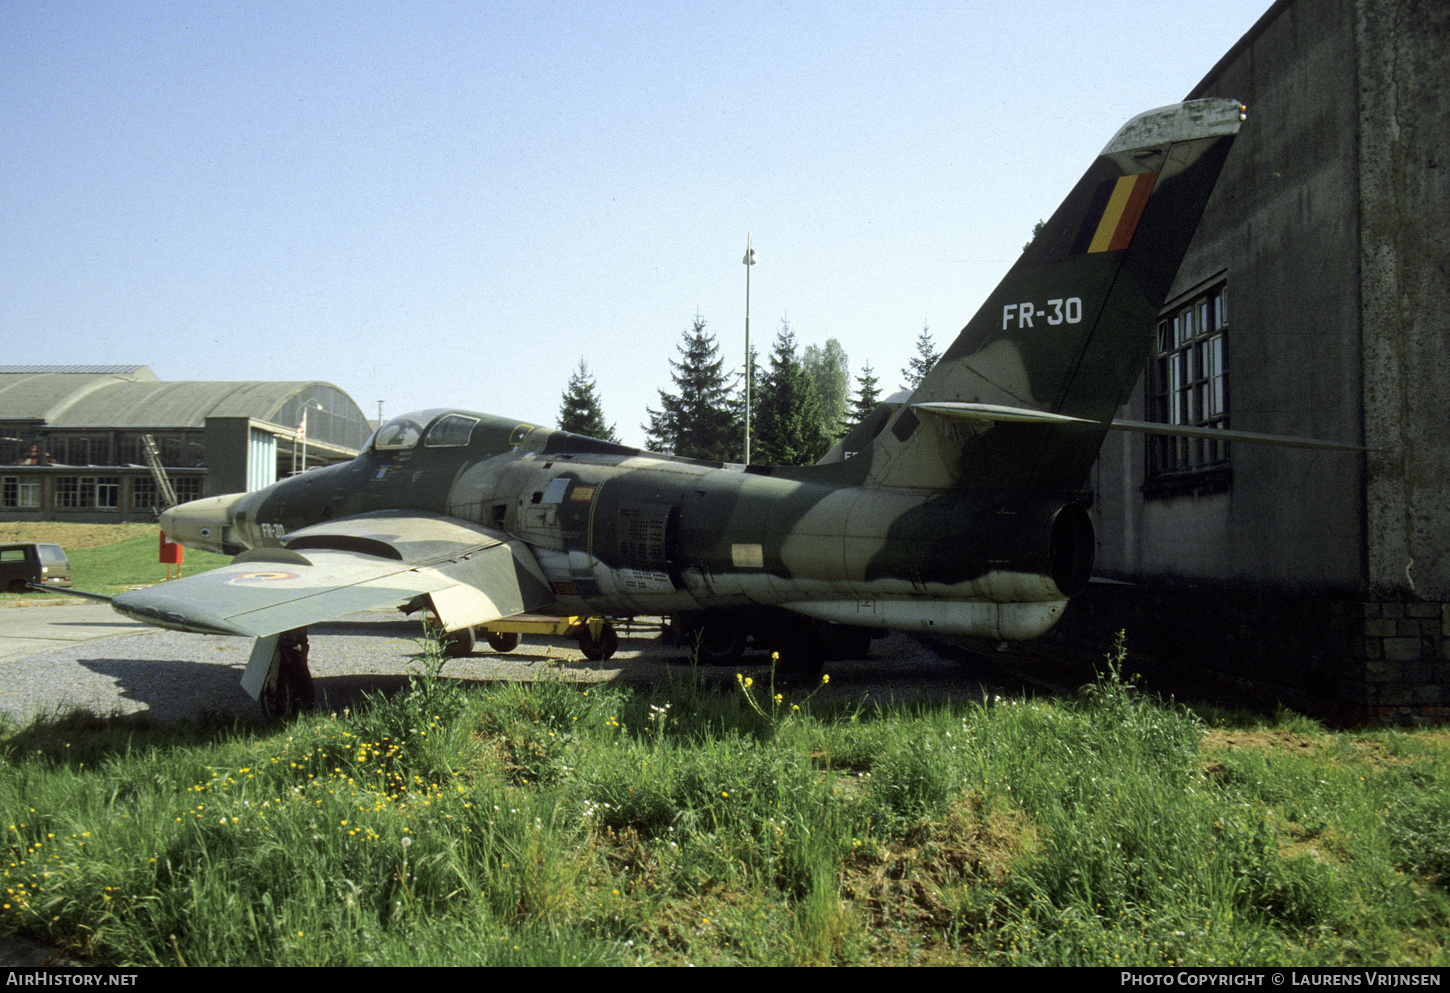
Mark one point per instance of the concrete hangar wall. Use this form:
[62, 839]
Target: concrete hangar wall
[1314, 302]
[73, 439]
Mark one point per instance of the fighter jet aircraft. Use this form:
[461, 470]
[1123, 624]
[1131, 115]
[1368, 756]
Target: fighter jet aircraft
[959, 509]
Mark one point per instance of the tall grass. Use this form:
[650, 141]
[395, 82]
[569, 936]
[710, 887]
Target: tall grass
[558, 824]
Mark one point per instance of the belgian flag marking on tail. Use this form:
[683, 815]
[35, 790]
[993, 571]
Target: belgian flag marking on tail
[1126, 199]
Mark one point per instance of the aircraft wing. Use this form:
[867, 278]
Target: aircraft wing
[472, 574]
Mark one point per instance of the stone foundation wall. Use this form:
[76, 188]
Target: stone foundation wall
[1346, 661]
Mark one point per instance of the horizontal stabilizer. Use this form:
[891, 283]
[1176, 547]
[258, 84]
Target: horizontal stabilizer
[1223, 434]
[991, 413]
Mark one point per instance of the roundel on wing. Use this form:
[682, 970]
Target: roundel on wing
[262, 577]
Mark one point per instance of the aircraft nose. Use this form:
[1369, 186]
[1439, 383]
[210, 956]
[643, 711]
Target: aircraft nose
[205, 524]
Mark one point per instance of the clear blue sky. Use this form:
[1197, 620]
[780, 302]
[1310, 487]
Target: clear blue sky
[451, 204]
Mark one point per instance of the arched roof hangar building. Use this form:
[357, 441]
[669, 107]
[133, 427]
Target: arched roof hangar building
[73, 439]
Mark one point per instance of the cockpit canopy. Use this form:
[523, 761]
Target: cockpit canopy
[440, 427]
[403, 431]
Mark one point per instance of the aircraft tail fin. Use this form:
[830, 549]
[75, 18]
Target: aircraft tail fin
[1024, 395]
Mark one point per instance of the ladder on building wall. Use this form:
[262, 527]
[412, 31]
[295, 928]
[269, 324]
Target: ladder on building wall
[158, 472]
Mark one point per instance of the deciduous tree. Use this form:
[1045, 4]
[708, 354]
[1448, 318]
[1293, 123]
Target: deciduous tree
[830, 373]
[1036, 230]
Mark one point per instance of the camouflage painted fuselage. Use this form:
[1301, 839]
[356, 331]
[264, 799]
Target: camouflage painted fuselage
[619, 532]
[957, 509]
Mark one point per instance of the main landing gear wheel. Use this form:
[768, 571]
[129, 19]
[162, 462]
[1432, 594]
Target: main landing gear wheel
[801, 654]
[718, 641]
[457, 644]
[502, 641]
[293, 691]
[842, 641]
[604, 647]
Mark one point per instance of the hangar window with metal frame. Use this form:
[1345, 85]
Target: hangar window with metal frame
[144, 493]
[1188, 386]
[18, 491]
[84, 492]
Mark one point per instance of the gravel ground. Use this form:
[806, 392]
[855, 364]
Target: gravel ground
[173, 676]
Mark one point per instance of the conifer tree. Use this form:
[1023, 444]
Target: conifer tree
[580, 411]
[788, 419]
[698, 420]
[921, 363]
[867, 395]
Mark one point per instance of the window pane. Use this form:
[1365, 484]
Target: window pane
[1175, 389]
[450, 432]
[1215, 371]
[1190, 383]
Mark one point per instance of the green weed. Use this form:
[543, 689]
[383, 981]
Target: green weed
[550, 823]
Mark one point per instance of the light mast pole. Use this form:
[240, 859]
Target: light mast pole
[749, 261]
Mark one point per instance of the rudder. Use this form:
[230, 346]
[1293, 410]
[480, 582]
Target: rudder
[1023, 396]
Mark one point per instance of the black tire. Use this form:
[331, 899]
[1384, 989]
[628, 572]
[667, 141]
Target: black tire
[717, 641]
[604, 648]
[801, 654]
[457, 644]
[845, 641]
[502, 641]
[17, 586]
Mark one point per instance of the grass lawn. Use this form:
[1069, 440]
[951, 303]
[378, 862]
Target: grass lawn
[554, 823]
[106, 558]
[550, 823]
